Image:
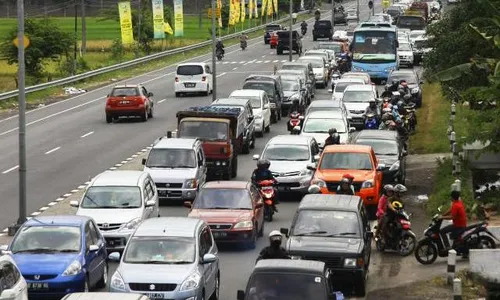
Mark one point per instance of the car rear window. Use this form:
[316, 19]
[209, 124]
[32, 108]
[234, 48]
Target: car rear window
[190, 70]
[273, 27]
[124, 92]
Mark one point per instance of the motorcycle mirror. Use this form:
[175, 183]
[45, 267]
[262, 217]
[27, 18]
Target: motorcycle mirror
[256, 157]
[314, 189]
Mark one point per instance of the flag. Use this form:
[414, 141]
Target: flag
[237, 11]
[167, 28]
[243, 11]
[250, 9]
[158, 24]
[263, 7]
[231, 12]
[179, 18]
[255, 12]
[219, 9]
[269, 7]
[276, 7]
[126, 22]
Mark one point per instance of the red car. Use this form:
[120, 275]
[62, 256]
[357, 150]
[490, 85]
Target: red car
[233, 210]
[273, 41]
[129, 100]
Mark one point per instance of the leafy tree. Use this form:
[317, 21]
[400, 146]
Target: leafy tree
[47, 41]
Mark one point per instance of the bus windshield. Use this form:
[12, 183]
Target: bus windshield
[374, 46]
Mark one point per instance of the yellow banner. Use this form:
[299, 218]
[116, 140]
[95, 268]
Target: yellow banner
[269, 7]
[250, 9]
[231, 12]
[236, 11]
[255, 12]
[159, 33]
[126, 22]
[275, 7]
[179, 18]
[219, 8]
[243, 11]
[167, 28]
[263, 7]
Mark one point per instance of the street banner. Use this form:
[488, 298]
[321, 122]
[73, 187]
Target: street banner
[236, 11]
[263, 7]
[158, 24]
[269, 7]
[219, 9]
[126, 22]
[179, 18]
[255, 12]
[243, 11]
[167, 28]
[231, 12]
[250, 9]
[275, 2]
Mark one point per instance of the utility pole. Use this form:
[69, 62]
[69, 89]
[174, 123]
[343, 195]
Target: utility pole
[290, 54]
[139, 28]
[357, 9]
[84, 28]
[76, 39]
[214, 49]
[333, 15]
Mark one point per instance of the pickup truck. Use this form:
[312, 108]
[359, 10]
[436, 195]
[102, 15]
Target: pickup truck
[221, 130]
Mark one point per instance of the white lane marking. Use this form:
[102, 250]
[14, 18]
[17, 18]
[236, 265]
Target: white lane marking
[258, 62]
[5, 230]
[275, 61]
[263, 56]
[235, 68]
[53, 150]
[221, 74]
[81, 186]
[271, 52]
[162, 100]
[267, 61]
[10, 170]
[2, 234]
[59, 199]
[284, 61]
[36, 213]
[234, 62]
[87, 134]
[44, 208]
[225, 63]
[52, 203]
[66, 195]
[249, 62]
[242, 62]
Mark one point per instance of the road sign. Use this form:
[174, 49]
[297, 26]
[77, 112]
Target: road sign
[370, 4]
[26, 42]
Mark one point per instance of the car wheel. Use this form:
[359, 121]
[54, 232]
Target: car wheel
[268, 128]
[215, 295]
[109, 118]
[253, 242]
[261, 231]
[252, 145]
[177, 94]
[360, 287]
[86, 286]
[104, 279]
[234, 167]
[246, 147]
[402, 178]
[208, 91]
[150, 114]
[144, 116]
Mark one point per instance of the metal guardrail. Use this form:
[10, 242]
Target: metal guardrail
[130, 63]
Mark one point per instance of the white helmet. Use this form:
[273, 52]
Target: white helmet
[275, 235]
[400, 188]
[389, 187]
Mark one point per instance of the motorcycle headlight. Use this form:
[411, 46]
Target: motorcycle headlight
[319, 182]
[367, 184]
[414, 91]
[73, 269]
[350, 263]
[244, 224]
[192, 282]
[133, 223]
[117, 282]
[395, 166]
[191, 183]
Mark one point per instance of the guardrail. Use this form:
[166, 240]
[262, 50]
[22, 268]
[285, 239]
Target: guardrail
[130, 63]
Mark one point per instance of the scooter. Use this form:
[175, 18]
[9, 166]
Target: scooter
[334, 77]
[410, 119]
[435, 243]
[295, 120]
[219, 54]
[304, 30]
[371, 121]
[398, 235]
[243, 45]
[268, 193]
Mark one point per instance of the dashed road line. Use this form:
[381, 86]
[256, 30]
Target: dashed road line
[263, 56]
[235, 68]
[53, 150]
[275, 61]
[87, 134]
[162, 100]
[242, 62]
[258, 62]
[284, 61]
[221, 74]
[267, 61]
[10, 170]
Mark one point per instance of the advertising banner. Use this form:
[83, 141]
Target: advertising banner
[179, 18]
[159, 32]
[263, 7]
[243, 11]
[269, 7]
[219, 9]
[126, 22]
[275, 7]
[255, 12]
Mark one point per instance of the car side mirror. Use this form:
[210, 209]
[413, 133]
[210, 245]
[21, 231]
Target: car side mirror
[240, 295]
[352, 129]
[107, 95]
[114, 256]
[73, 203]
[259, 205]
[187, 204]
[93, 248]
[208, 258]
[144, 161]
[255, 157]
[311, 167]
[405, 153]
[316, 157]
[284, 231]
[380, 167]
[150, 203]
[150, 94]
[9, 294]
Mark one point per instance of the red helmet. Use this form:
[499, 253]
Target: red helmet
[348, 176]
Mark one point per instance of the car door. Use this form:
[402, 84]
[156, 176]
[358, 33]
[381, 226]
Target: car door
[91, 257]
[202, 169]
[258, 212]
[101, 256]
[209, 75]
[205, 268]
[251, 123]
[145, 93]
[365, 225]
[10, 279]
[266, 110]
[149, 194]
[212, 249]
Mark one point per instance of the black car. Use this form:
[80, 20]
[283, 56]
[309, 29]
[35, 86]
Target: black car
[268, 30]
[340, 17]
[323, 29]
[389, 150]
[413, 80]
[333, 229]
[284, 42]
[273, 89]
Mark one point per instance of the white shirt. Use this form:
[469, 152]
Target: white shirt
[294, 16]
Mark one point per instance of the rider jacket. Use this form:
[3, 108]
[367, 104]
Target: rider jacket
[371, 110]
[262, 174]
[273, 252]
[332, 140]
[219, 45]
[303, 25]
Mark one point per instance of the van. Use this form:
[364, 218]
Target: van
[260, 108]
[195, 77]
[275, 96]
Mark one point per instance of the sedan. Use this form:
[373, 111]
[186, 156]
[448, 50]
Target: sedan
[405, 54]
[317, 124]
[320, 68]
[334, 106]
[293, 92]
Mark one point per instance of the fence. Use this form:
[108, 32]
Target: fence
[457, 165]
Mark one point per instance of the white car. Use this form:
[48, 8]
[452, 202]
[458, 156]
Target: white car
[12, 283]
[341, 84]
[195, 77]
[415, 34]
[119, 201]
[333, 106]
[320, 68]
[405, 55]
[317, 124]
[357, 98]
[260, 108]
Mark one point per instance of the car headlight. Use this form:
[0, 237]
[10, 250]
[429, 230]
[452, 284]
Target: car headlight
[133, 223]
[294, 97]
[414, 91]
[395, 166]
[244, 224]
[73, 269]
[319, 182]
[305, 172]
[367, 184]
[192, 282]
[117, 282]
[191, 183]
[389, 69]
[350, 263]
[295, 257]
[357, 69]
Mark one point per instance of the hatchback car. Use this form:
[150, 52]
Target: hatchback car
[363, 75]
[342, 84]
[233, 209]
[289, 156]
[58, 255]
[194, 77]
[118, 201]
[405, 54]
[169, 258]
[260, 106]
[320, 68]
[12, 284]
[317, 124]
[273, 94]
[357, 98]
[294, 91]
[335, 106]
[129, 100]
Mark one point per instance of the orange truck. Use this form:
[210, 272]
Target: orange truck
[359, 161]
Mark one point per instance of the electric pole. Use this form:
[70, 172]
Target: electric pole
[290, 54]
[84, 28]
[214, 49]
[76, 39]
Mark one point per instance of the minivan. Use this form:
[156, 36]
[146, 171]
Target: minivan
[195, 77]
[260, 108]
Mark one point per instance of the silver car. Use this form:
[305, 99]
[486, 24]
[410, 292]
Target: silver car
[320, 68]
[357, 98]
[317, 124]
[119, 201]
[169, 258]
[335, 106]
[289, 156]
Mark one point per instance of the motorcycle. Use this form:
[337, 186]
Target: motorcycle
[434, 243]
[219, 54]
[334, 77]
[268, 193]
[295, 120]
[304, 30]
[371, 121]
[243, 45]
[410, 119]
[398, 234]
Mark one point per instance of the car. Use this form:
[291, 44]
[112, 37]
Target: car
[276, 98]
[273, 94]
[60, 254]
[322, 29]
[294, 90]
[413, 80]
[357, 98]
[415, 34]
[177, 167]
[234, 210]
[339, 17]
[119, 201]
[365, 76]
[289, 156]
[105, 296]
[420, 49]
[405, 54]
[307, 68]
[260, 106]
[169, 258]
[300, 75]
[384, 17]
[270, 28]
[389, 150]
[317, 124]
[334, 106]
[320, 68]
[395, 11]
[12, 283]
[321, 53]
[404, 33]
[284, 42]
[193, 77]
[129, 100]
[335, 46]
[358, 160]
[333, 229]
[352, 15]
[342, 84]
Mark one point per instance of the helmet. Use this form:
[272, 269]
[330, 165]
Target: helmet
[345, 180]
[387, 86]
[399, 188]
[275, 235]
[389, 187]
[404, 83]
[263, 163]
[332, 131]
[400, 103]
[395, 82]
[395, 107]
[372, 101]
[348, 176]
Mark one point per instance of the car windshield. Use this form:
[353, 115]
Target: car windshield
[409, 77]
[316, 63]
[323, 125]
[160, 250]
[355, 76]
[346, 161]
[50, 238]
[381, 147]
[171, 158]
[341, 86]
[223, 199]
[125, 92]
[112, 197]
[189, 70]
[293, 67]
[290, 85]
[289, 286]
[332, 46]
[326, 223]
[263, 86]
[286, 152]
[204, 130]
[254, 100]
[322, 108]
[358, 96]
[404, 47]
[316, 54]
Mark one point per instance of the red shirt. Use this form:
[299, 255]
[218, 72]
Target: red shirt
[458, 214]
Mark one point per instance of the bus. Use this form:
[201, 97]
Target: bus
[374, 51]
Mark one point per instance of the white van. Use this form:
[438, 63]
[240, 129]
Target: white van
[260, 107]
[195, 77]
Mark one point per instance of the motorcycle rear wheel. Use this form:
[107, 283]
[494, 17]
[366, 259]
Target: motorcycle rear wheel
[410, 242]
[268, 213]
[429, 249]
[380, 245]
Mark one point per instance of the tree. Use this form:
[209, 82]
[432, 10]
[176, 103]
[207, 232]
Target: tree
[47, 41]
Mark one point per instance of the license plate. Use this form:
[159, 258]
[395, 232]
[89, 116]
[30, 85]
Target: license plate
[219, 234]
[111, 243]
[124, 102]
[37, 286]
[189, 85]
[155, 295]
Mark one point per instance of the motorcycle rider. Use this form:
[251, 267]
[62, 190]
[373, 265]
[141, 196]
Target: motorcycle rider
[391, 211]
[219, 46]
[345, 187]
[317, 14]
[294, 17]
[372, 108]
[459, 217]
[274, 250]
[333, 137]
[303, 26]
[262, 173]
[243, 40]
[382, 207]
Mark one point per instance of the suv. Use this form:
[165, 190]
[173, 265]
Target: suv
[278, 86]
[284, 42]
[119, 201]
[268, 30]
[274, 93]
[333, 229]
[323, 29]
[413, 80]
[177, 167]
[129, 100]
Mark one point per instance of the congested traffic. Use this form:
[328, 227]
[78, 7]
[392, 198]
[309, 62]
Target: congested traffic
[348, 108]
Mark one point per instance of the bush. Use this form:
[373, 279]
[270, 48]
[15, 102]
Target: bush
[117, 50]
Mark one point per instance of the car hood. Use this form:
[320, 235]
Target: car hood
[221, 215]
[150, 273]
[289, 93]
[323, 244]
[44, 264]
[281, 166]
[388, 160]
[169, 175]
[319, 71]
[413, 85]
[321, 137]
[111, 215]
[336, 175]
[257, 111]
[358, 106]
[407, 53]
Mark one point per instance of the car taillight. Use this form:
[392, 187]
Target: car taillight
[140, 100]
[269, 202]
[435, 236]
[176, 79]
[203, 78]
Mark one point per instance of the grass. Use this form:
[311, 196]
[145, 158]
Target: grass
[472, 288]
[433, 117]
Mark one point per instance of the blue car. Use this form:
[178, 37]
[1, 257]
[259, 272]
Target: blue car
[58, 255]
